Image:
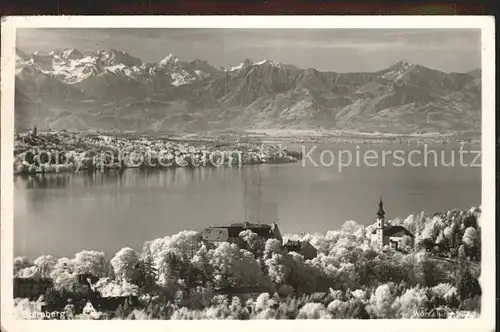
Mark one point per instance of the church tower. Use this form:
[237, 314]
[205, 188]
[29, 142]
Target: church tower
[380, 224]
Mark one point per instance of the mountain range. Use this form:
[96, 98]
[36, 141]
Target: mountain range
[112, 89]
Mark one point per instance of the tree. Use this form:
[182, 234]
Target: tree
[277, 269]
[201, 262]
[356, 310]
[469, 237]
[407, 242]
[171, 253]
[302, 277]
[461, 252]
[467, 286]
[412, 300]
[272, 246]
[21, 263]
[112, 288]
[55, 299]
[63, 275]
[125, 264]
[350, 227]
[236, 267]
[380, 303]
[254, 242]
[430, 272]
[146, 276]
[44, 265]
[313, 311]
[92, 262]
[426, 244]
[470, 221]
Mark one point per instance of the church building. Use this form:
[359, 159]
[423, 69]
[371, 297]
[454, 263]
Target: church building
[388, 235]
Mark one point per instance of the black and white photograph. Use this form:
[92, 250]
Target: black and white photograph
[235, 172]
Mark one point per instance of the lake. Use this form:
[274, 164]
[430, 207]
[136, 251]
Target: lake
[61, 214]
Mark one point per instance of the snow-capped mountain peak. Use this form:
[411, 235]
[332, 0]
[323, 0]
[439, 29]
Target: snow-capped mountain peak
[403, 63]
[262, 62]
[269, 62]
[247, 63]
[401, 66]
[71, 53]
[168, 60]
[397, 71]
[238, 67]
[115, 57]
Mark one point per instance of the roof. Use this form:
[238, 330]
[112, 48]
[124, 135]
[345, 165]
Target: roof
[246, 225]
[30, 280]
[297, 244]
[293, 244]
[250, 225]
[264, 230]
[395, 230]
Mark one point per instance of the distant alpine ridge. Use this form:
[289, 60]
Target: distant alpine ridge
[114, 90]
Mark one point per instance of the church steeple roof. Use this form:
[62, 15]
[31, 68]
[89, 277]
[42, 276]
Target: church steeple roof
[381, 212]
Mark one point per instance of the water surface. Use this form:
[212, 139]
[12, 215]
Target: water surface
[61, 214]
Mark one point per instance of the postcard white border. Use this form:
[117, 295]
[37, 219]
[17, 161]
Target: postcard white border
[487, 320]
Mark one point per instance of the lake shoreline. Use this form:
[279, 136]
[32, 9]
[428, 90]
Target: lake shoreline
[61, 151]
[57, 152]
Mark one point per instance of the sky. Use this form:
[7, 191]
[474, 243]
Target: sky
[339, 50]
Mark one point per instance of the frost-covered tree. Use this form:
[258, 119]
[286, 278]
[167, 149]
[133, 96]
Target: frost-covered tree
[125, 264]
[108, 287]
[272, 246]
[92, 262]
[469, 237]
[277, 268]
[235, 267]
[444, 294]
[64, 275]
[448, 232]
[44, 265]
[430, 229]
[20, 263]
[350, 227]
[338, 308]
[305, 277]
[261, 302]
[171, 256]
[254, 243]
[28, 272]
[409, 304]
[461, 252]
[201, 264]
[380, 303]
[313, 311]
[359, 294]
